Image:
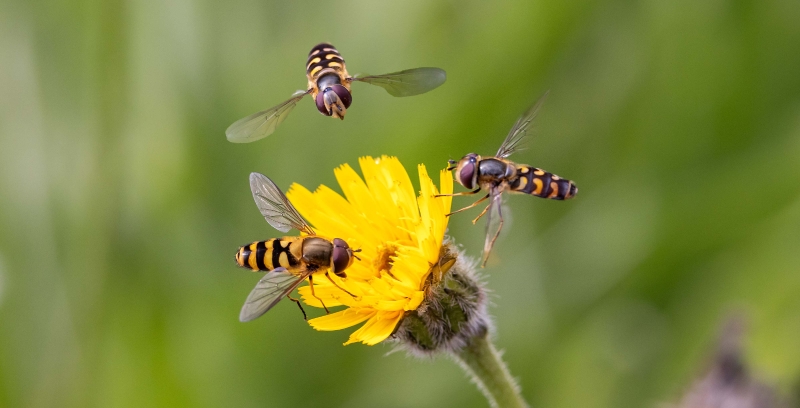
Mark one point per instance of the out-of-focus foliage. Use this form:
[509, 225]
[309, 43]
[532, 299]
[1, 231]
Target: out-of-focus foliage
[121, 202]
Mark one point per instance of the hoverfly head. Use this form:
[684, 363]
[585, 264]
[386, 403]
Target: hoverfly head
[467, 170]
[334, 101]
[342, 256]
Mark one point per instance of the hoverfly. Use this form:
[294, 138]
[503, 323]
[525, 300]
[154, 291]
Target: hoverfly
[329, 86]
[496, 174]
[288, 261]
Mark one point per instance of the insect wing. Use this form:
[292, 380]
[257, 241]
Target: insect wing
[276, 284]
[409, 82]
[262, 124]
[520, 129]
[494, 223]
[275, 207]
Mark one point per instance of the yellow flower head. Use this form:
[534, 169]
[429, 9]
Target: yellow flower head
[400, 236]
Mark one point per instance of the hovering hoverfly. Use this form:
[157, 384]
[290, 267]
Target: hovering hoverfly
[496, 174]
[288, 261]
[329, 86]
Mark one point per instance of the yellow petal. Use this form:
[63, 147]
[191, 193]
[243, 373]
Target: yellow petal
[377, 329]
[330, 297]
[415, 301]
[399, 304]
[341, 320]
[446, 187]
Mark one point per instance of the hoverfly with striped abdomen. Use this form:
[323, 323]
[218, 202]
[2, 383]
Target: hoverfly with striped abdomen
[288, 261]
[329, 86]
[496, 174]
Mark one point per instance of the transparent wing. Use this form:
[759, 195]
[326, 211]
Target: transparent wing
[409, 82]
[262, 124]
[275, 207]
[494, 223]
[276, 284]
[520, 129]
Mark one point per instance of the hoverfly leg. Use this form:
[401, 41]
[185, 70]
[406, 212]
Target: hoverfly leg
[327, 275]
[311, 285]
[482, 214]
[469, 206]
[298, 305]
[476, 191]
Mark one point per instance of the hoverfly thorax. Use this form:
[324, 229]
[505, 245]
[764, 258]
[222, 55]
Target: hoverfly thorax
[467, 170]
[333, 98]
[317, 251]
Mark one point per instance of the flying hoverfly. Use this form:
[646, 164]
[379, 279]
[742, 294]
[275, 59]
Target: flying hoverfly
[496, 174]
[329, 86]
[288, 261]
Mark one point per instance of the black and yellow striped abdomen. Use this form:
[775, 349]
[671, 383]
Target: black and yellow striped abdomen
[323, 56]
[270, 254]
[534, 181]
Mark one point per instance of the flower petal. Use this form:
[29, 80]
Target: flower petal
[341, 320]
[377, 329]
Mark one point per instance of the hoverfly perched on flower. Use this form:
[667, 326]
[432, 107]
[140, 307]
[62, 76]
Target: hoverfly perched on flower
[329, 86]
[495, 175]
[288, 261]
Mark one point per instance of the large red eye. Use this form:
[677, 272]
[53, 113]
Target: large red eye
[344, 95]
[466, 175]
[341, 255]
[320, 100]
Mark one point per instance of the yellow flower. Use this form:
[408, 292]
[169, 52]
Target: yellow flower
[400, 236]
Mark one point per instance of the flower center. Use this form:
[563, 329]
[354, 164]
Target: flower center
[384, 262]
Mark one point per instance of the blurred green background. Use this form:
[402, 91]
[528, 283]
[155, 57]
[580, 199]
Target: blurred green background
[122, 203]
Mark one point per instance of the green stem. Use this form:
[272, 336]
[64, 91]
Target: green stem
[486, 367]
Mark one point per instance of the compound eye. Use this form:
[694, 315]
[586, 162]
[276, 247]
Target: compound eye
[344, 95]
[341, 256]
[320, 100]
[340, 243]
[466, 174]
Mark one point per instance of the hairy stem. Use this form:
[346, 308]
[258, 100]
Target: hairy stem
[485, 366]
